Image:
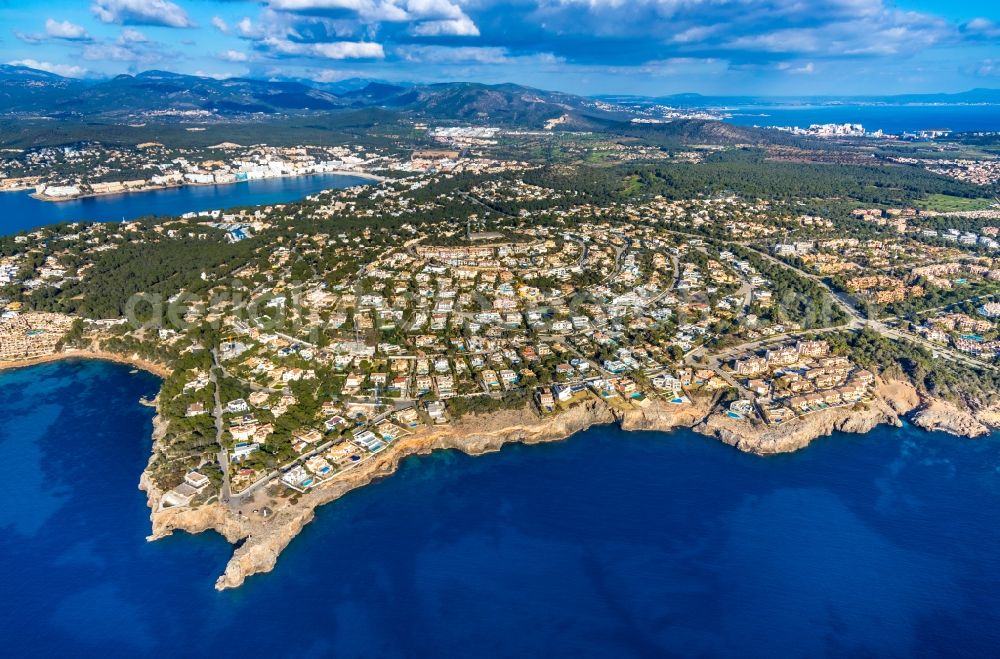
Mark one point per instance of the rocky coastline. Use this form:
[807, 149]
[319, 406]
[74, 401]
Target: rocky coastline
[946, 417]
[261, 541]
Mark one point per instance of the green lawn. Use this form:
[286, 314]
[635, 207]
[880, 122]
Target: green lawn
[946, 203]
[633, 185]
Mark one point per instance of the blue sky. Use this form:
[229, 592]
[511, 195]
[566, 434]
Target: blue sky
[584, 46]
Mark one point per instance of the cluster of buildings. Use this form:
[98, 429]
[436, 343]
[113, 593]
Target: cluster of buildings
[976, 336]
[384, 318]
[942, 276]
[895, 218]
[470, 318]
[949, 274]
[225, 163]
[883, 289]
[834, 130]
[464, 136]
[987, 238]
[798, 379]
[902, 267]
[369, 329]
[977, 172]
[480, 317]
[32, 334]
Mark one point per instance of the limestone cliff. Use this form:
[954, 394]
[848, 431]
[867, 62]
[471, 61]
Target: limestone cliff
[193, 520]
[756, 437]
[947, 417]
[473, 435]
[663, 416]
[263, 539]
[989, 415]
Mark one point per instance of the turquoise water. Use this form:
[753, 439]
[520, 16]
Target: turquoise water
[611, 544]
[23, 213]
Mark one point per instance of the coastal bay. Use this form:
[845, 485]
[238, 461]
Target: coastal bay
[630, 543]
[23, 212]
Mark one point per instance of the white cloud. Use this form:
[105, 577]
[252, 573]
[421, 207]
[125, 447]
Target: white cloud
[66, 70]
[29, 38]
[806, 68]
[349, 50]
[982, 27]
[220, 75]
[742, 29]
[319, 5]
[220, 24]
[694, 34]
[130, 46]
[387, 11]
[131, 35]
[673, 66]
[459, 27]
[328, 75]
[234, 56]
[65, 30]
[54, 29]
[141, 12]
[245, 27]
[331, 50]
[109, 51]
[886, 35]
[448, 55]
[429, 17]
[988, 67]
[456, 55]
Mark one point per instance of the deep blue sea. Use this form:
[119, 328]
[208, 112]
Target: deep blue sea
[894, 119]
[22, 213]
[610, 544]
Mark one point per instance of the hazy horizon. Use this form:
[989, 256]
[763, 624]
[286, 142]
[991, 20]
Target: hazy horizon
[588, 47]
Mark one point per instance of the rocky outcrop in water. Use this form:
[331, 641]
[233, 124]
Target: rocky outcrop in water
[942, 416]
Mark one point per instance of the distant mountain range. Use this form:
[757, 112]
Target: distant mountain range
[26, 91]
[162, 97]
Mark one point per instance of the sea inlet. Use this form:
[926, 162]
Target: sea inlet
[22, 212]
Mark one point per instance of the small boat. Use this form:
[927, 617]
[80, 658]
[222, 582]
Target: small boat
[133, 371]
